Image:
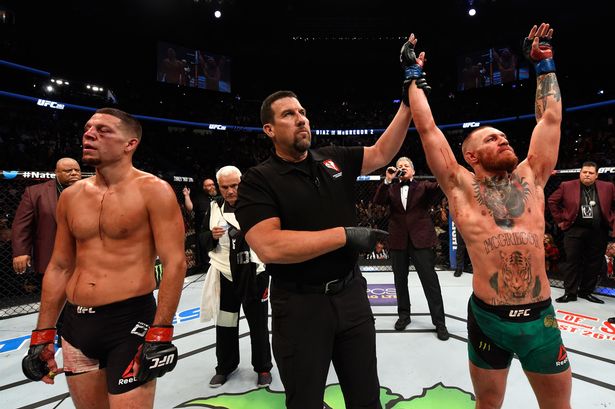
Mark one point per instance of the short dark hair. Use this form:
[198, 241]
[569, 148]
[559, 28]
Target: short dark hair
[590, 164]
[266, 112]
[130, 121]
[469, 135]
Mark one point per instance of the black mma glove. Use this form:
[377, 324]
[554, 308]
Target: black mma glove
[412, 71]
[157, 355]
[363, 239]
[542, 58]
[34, 364]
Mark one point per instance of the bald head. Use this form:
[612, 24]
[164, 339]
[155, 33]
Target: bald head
[68, 171]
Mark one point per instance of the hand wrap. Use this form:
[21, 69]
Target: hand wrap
[34, 364]
[542, 58]
[413, 70]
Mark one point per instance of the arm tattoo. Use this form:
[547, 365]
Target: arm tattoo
[547, 86]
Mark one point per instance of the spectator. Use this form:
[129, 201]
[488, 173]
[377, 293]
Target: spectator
[379, 253]
[584, 210]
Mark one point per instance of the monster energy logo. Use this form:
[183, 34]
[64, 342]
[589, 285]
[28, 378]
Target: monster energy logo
[484, 346]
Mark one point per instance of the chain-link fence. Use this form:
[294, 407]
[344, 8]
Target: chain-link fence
[20, 294]
[377, 216]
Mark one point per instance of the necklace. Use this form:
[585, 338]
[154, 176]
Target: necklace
[590, 196]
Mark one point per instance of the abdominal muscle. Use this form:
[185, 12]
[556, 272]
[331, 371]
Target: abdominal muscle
[109, 271]
[510, 275]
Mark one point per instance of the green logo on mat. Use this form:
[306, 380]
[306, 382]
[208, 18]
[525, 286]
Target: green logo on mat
[437, 396]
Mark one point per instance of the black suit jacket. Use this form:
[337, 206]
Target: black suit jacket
[413, 223]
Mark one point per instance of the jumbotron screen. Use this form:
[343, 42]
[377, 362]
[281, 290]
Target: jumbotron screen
[193, 67]
[495, 66]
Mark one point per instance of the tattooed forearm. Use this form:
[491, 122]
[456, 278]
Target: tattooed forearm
[547, 86]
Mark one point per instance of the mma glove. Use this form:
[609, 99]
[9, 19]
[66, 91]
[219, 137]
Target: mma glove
[157, 355]
[34, 364]
[542, 58]
[363, 239]
[412, 71]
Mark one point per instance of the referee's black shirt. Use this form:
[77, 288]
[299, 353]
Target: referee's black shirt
[315, 194]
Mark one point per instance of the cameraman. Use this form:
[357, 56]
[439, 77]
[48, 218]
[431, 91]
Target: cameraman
[412, 237]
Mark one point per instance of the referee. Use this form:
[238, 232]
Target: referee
[297, 209]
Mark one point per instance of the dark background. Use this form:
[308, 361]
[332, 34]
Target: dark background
[114, 42]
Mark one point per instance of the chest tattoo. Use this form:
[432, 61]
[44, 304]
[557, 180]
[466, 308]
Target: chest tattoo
[505, 197]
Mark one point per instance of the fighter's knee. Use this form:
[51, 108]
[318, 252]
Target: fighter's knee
[489, 401]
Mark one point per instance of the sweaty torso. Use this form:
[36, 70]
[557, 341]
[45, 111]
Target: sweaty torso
[115, 251]
[502, 223]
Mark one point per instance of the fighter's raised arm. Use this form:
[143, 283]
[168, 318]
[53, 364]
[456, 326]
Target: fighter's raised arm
[544, 145]
[440, 157]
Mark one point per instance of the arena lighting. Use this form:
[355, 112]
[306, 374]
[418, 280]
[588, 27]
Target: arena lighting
[471, 9]
[49, 88]
[58, 81]
[217, 14]
[258, 129]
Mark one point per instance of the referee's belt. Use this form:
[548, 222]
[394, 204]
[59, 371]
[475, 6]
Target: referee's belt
[329, 288]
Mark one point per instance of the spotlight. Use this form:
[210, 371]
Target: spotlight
[471, 9]
[217, 14]
[49, 88]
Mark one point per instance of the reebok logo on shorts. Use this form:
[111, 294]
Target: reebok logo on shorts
[129, 375]
[562, 356]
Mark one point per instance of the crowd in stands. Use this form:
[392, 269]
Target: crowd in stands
[33, 138]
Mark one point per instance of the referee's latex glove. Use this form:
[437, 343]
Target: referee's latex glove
[363, 239]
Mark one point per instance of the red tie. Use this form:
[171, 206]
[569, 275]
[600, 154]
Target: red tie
[609, 270]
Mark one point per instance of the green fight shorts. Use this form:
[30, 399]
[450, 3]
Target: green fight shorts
[496, 333]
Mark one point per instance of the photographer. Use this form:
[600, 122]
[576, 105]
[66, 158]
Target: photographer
[412, 237]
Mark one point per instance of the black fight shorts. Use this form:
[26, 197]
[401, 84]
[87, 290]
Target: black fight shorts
[107, 337]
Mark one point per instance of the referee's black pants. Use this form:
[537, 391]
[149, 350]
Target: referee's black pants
[309, 331]
[227, 327]
[424, 262]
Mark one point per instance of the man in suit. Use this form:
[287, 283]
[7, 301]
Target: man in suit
[583, 209]
[412, 236]
[34, 226]
[201, 206]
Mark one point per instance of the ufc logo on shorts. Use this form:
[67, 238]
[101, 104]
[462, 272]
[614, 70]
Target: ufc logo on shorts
[140, 329]
[519, 313]
[85, 310]
[165, 360]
